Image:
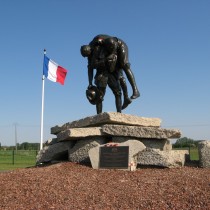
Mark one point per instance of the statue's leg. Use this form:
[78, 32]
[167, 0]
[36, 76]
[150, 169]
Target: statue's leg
[132, 81]
[123, 85]
[114, 84]
[99, 107]
[118, 101]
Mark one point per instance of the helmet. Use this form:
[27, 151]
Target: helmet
[85, 50]
[94, 95]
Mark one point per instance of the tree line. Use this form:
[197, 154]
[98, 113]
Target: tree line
[185, 142]
[22, 146]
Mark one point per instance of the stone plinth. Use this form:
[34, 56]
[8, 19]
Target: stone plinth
[58, 151]
[119, 130]
[108, 118]
[155, 157]
[79, 153]
[162, 144]
[85, 134]
[140, 132]
[76, 133]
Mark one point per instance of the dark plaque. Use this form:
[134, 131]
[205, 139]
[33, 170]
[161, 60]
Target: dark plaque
[114, 157]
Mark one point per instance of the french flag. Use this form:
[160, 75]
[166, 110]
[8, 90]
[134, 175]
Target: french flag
[53, 71]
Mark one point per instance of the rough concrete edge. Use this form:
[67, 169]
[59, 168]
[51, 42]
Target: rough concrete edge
[166, 133]
[105, 117]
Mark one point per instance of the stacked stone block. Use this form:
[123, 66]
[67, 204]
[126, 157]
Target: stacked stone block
[84, 134]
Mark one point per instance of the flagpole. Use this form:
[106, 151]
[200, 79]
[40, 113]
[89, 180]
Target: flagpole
[42, 112]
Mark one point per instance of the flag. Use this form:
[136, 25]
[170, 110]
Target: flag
[53, 71]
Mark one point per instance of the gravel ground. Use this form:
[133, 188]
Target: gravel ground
[68, 185]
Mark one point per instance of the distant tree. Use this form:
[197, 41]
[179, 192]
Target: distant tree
[184, 142]
[28, 146]
[24, 146]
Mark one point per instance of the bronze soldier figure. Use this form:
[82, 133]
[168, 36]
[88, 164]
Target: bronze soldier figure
[109, 56]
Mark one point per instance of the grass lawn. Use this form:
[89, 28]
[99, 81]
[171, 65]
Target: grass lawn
[10, 160]
[194, 154]
[7, 167]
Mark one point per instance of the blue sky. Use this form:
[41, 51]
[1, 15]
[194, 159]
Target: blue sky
[169, 52]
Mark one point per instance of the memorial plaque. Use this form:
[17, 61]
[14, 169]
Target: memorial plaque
[114, 157]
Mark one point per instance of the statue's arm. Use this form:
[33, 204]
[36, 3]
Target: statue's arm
[90, 74]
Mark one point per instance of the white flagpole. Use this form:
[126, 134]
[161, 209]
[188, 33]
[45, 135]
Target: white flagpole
[42, 112]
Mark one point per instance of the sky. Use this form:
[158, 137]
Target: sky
[169, 52]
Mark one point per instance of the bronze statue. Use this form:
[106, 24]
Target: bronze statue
[109, 56]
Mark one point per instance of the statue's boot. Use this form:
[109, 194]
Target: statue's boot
[136, 94]
[132, 81]
[127, 101]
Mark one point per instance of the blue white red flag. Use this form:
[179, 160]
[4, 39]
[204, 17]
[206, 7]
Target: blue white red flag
[53, 71]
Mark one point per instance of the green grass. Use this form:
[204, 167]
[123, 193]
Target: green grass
[8, 167]
[10, 160]
[194, 154]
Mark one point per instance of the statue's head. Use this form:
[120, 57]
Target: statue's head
[110, 45]
[85, 50]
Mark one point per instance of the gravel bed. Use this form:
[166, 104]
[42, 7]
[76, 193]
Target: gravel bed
[65, 186]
